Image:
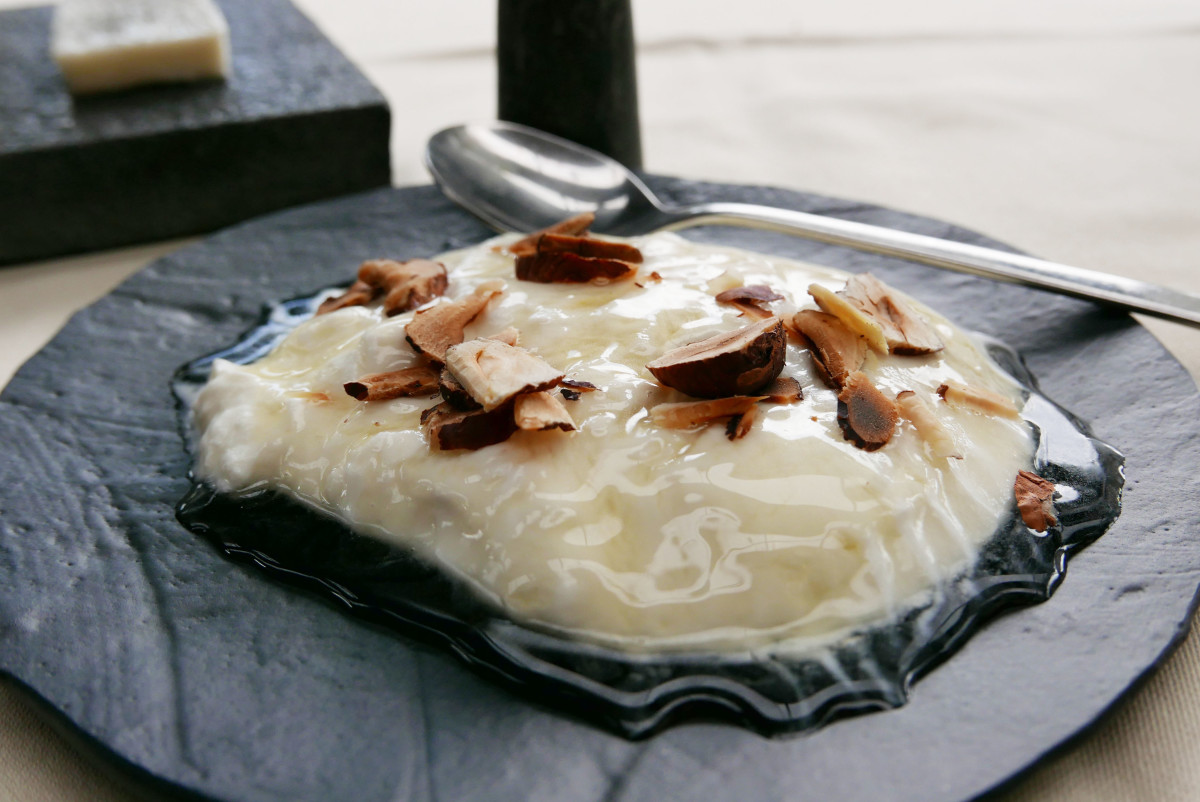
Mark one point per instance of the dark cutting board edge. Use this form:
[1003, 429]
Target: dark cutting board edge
[1129, 596]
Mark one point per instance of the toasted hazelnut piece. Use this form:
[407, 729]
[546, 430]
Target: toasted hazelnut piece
[906, 331]
[851, 316]
[689, 414]
[509, 336]
[1035, 500]
[572, 227]
[359, 293]
[836, 351]
[591, 247]
[538, 412]
[867, 416]
[750, 299]
[731, 363]
[930, 429]
[564, 267]
[579, 385]
[739, 425]
[978, 399]
[573, 388]
[406, 285]
[450, 429]
[493, 372]
[419, 380]
[454, 394]
[433, 330]
[784, 390]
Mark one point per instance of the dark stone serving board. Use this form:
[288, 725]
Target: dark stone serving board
[295, 122]
[202, 673]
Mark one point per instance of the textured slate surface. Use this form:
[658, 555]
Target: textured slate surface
[203, 673]
[295, 122]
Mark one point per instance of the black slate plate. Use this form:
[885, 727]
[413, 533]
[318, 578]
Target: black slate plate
[204, 674]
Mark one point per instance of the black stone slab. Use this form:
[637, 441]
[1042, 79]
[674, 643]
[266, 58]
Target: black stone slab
[203, 673]
[294, 123]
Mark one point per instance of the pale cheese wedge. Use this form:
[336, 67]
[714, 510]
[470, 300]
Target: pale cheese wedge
[104, 45]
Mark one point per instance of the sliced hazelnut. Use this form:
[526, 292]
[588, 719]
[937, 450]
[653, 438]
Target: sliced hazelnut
[538, 412]
[836, 351]
[454, 394]
[1035, 500]
[415, 381]
[433, 330]
[731, 363]
[564, 267]
[509, 335]
[750, 299]
[572, 226]
[451, 429]
[978, 399]
[492, 372]
[906, 331]
[784, 390]
[930, 429]
[689, 414]
[591, 247]
[359, 293]
[579, 385]
[851, 316]
[739, 425]
[406, 285]
[572, 389]
[867, 416]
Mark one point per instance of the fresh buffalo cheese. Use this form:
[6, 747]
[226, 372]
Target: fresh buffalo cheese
[103, 45]
[625, 532]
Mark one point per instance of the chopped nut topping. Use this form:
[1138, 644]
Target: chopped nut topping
[1035, 500]
[930, 429]
[867, 416]
[906, 331]
[978, 399]
[454, 394]
[549, 266]
[750, 299]
[538, 412]
[836, 351]
[450, 429]
[510, 336]
[851, 316]
[492, 372]
[406, 285]
[420, 380]
[731, 363]
[784, 390]
[590, 247]
[433, 330]
[359, 293]
[654, 277]
[739, 425]
[573, 388]
[688, 414]
[573, 227]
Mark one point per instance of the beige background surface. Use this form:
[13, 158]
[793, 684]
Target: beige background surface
[1072, 132]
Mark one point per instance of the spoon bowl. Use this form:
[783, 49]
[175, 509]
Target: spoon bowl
[517, 178]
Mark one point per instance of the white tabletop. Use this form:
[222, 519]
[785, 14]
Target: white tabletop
[1072, 133]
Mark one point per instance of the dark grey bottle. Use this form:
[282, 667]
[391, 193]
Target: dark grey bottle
[567, 67]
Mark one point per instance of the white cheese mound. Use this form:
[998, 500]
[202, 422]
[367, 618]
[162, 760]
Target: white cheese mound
[103, 45]
[624, 532]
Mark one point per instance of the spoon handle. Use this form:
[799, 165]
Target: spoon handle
[1127, 293]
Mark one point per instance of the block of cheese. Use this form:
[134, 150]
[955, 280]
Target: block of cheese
[103, 45]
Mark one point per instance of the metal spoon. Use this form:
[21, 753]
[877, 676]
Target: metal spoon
[520, 179]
